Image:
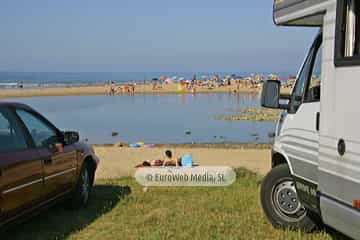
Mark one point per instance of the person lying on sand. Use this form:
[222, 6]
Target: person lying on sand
[169, 160]
[151, 163]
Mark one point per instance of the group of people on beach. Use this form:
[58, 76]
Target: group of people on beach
[234, 84]
[126, 88]
[169, 160]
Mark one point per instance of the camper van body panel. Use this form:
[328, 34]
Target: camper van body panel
[299, 12]
[339, 176]
[299, 141]
[340, 119]
[316, 156]
[341, 217]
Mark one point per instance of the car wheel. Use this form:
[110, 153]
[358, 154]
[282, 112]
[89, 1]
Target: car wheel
[281, 203]
[83, 187]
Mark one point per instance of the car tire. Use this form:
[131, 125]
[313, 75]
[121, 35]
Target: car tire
[82, 191]
[280, 202]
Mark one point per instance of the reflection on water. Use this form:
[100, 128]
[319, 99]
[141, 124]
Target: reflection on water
[153, 118]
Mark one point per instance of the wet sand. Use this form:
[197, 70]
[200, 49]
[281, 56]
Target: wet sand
[120, 161]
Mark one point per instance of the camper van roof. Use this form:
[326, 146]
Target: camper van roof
[299, 12]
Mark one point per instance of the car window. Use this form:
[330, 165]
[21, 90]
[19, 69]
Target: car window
[351, 43]
[303, 77]
[313, 92]
[11, 136]
[300, 85]
[347, 37]
[309, 77]
[42, 134]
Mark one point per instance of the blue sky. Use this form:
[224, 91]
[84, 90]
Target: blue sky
[147, 36]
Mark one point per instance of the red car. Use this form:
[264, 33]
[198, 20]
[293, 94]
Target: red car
[40, 164]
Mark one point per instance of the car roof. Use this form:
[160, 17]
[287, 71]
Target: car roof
[14, 104]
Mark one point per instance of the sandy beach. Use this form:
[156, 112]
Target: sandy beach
[120, 161]
[171, 88]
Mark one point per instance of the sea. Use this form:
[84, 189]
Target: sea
[151, 118]
[10, 80]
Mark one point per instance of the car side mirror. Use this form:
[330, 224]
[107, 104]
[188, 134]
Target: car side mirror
[71, 137]
[270, 95]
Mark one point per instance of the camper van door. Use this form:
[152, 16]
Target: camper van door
[339, 158]
[299, 134]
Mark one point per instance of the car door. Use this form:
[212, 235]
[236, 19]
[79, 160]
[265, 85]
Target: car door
[21, 182]
[300, 136]
[59, 161]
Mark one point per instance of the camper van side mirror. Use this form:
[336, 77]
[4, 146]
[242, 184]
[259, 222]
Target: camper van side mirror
[270, 95]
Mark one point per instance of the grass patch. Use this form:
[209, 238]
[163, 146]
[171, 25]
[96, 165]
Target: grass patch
[161, 213]
[252, 114]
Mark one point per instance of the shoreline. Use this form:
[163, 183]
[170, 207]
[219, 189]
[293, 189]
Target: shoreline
[104, 90]
[229, 145]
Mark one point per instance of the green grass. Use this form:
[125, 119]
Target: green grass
[251, 114]
[161, 213]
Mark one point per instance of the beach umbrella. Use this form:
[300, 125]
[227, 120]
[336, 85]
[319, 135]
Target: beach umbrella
[155, 79]
[163, 78]
[181, 79]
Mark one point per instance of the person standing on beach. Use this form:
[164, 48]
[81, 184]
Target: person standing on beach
[193, 80]
[133, 88]
[112, 88]
[238, 85]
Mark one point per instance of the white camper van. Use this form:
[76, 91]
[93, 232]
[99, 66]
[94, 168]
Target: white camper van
[315, 176]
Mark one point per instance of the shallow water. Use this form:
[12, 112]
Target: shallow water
[153, 118]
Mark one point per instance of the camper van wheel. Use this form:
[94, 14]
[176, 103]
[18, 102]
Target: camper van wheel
[280, 201]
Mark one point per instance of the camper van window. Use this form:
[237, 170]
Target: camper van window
[347, 47]
[307, 86]
[301, 81]
[313, 89]
[300, 85]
